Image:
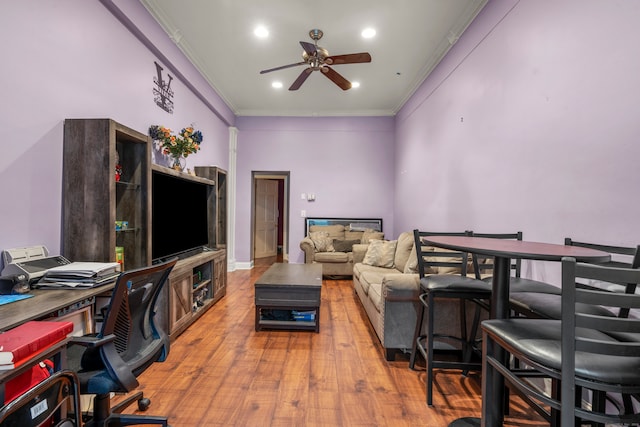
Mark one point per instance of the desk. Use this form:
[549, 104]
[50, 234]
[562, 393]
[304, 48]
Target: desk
[503, 251]
[46, 302]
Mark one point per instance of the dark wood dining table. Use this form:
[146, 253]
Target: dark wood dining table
[503, 252]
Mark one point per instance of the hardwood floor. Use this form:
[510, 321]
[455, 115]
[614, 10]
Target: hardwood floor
[221, 372]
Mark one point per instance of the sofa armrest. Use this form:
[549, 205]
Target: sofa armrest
[359, 250]
[400, 287]
[309, 250]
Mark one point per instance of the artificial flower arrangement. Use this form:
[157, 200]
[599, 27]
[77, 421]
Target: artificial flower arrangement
[186, 142]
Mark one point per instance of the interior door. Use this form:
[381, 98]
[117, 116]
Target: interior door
[266, 211]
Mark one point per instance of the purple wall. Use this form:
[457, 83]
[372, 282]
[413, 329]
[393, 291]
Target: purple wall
[74, 59]
[530, 123]
[347, 162]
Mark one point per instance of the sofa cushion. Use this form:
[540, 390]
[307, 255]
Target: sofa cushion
[370, 235]
[353, 235]
[411, 267]
[332, 257]
[369, 277]
[321, 241]
[403, 250]
[344, 245]
[380, 253]
[375, 295]
[334, 231]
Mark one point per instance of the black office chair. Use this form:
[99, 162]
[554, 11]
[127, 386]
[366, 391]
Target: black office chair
[577, 352]
[54, 401]
[533, 303]
[129, 341]
[434, 288]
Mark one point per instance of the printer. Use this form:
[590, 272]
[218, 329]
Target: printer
[24, 266]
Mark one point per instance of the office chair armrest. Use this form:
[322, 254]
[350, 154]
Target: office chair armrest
[91, 341]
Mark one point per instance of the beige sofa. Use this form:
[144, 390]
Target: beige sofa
[386, 281]
[331, 246]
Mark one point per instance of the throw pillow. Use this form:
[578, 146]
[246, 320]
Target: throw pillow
[321, 241]
[344, 245]
[411, 267]
[380, 253]
[370, 235]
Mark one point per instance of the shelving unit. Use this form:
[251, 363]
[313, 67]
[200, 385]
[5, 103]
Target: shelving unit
[196, 283]
[219, 176]
[92, 199]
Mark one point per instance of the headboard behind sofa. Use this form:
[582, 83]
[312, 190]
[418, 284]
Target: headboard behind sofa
[353, 224]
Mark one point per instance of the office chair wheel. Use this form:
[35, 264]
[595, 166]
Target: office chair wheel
[143, 404]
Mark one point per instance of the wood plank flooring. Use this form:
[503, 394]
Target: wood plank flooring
[220, 372]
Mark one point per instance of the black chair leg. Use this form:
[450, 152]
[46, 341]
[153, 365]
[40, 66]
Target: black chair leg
[416, 335]
[430, 331]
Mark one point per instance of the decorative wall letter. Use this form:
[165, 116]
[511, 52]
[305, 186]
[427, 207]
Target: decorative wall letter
[162, 92]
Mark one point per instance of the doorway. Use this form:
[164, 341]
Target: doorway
[270, 215]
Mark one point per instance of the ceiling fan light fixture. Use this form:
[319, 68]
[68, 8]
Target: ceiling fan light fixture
[261, 32]
[355, 85]
[368, 33]
[276, 85]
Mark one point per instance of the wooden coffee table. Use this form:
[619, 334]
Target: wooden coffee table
[289, 288]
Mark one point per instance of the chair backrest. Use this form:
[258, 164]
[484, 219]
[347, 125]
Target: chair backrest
[483, 265]
[434, 260]
[55, 400]
[621, 256]
[609, 326]
[139, 341]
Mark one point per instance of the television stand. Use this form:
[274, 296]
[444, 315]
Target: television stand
[195, 284]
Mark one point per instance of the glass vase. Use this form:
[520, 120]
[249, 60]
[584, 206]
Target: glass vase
[178, 163]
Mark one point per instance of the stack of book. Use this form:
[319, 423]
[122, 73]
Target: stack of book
[25, 341]
[80, 275]
[304, 316]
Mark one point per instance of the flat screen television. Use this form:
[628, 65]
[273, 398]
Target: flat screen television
[179, 216]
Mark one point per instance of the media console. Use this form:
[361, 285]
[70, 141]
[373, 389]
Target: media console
[195, 284]
[166, 212]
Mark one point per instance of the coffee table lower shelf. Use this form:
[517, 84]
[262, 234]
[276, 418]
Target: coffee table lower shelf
[306, 325]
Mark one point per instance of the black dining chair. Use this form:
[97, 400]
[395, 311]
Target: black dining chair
[544, 305]
[436, 288]
[576, 352]
[130, 340]
[54, 401]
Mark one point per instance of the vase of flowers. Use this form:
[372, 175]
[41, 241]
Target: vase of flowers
[177, 146]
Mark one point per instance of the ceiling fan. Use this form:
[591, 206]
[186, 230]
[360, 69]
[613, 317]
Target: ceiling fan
[317, 58]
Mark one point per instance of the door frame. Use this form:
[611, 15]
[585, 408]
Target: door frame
[278, 175]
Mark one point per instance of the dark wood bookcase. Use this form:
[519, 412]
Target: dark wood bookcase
[92, 199]
[219, 176]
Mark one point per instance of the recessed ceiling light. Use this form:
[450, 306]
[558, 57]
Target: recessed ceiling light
[355, 85]
[261, 32]
[368, 33]
[276, 85]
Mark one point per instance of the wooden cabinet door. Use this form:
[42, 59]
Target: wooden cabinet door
[180, 300]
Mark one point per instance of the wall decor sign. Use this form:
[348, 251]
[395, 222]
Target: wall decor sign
[163, 95]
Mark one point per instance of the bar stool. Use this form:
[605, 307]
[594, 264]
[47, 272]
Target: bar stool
[436, 286]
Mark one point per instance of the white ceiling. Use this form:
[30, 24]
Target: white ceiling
[217, 36]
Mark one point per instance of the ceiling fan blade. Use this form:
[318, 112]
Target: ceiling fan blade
[352, 58]
[301, 78]
[310, 48]
[282, 67]
[335, 77]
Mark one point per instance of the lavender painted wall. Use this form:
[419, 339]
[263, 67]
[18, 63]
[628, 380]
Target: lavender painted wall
[347, 162]
[530, 123]
[74, 59]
